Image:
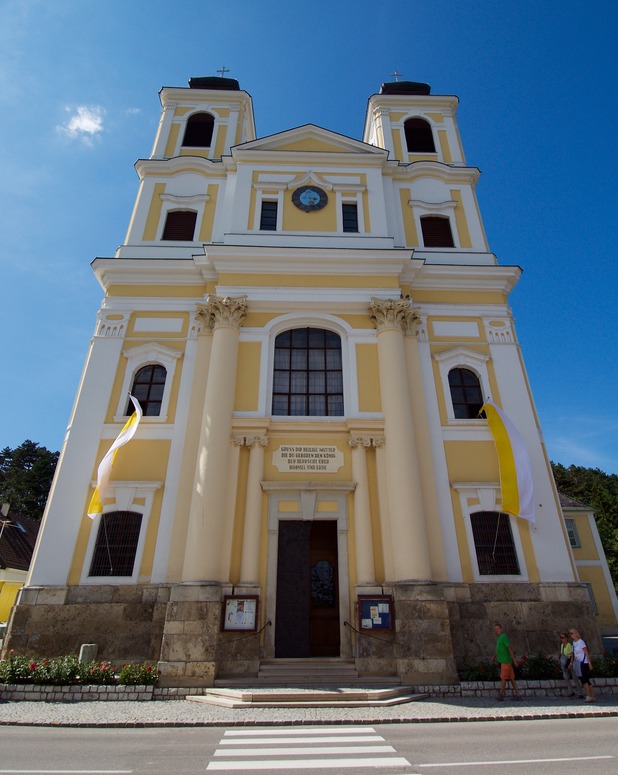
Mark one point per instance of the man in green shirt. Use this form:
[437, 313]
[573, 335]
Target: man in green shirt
[508, 661]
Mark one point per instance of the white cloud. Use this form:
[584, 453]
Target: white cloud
[85, 123]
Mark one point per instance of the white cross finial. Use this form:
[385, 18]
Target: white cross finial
[396, 75]
[223, 70]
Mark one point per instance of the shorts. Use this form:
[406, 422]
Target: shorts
[506, 671]
[585, 676]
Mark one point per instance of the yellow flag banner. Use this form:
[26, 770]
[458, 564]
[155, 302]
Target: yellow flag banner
[516, 481]
[105, 466]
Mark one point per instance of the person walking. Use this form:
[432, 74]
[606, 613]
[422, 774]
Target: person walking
[581, 659]
[566, 660]
[508, 661]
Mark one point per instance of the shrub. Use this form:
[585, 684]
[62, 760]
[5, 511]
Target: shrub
[16, 669]
[538, 668]
[138, 675]
[100, 673]
[57, 672]
[483, 671]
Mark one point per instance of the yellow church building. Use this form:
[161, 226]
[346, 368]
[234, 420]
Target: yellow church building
[311, 324]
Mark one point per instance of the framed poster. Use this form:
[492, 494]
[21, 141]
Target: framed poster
[375, 612]
[240, 613]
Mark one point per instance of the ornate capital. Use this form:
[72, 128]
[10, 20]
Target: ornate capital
[378, 443]
[222, 311]
[256, 441]
[358, 442]
[393, 314]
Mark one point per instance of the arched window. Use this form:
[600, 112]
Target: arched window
[180, 225]
[308, 376]
[419, 137]
[437, 231]
[148, 386]
[466, 393]
[198, 132]
[493, 541]
[116, 544]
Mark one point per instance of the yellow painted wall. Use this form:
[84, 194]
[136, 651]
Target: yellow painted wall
[594, 575]
[248, 379]
[460, 220]
[8, 595]
[588, 549]
[196, 291]
[309, 281]
[369, 399]
[409, 226]
[444, 146]
[318, 220]
[205, 232]
[471, 461]
[172, 140]
[154, 213]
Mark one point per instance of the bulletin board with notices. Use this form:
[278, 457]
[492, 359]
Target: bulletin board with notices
[375, 612]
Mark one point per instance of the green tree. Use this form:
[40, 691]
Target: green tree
[26, 474]
[599, 491]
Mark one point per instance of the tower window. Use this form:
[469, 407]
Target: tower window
[199, 129]
[494, 545]
[308, 376]
[349, 213]
[466, 393]
[268, 216]
[436, 232]
[180, 225]
[148, 387]
[116, 544]
[419, 137]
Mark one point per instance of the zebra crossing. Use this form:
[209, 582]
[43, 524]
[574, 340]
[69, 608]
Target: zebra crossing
[298, 748]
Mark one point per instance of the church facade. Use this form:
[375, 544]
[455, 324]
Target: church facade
[311, 324]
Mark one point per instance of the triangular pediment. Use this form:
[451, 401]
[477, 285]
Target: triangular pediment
[309, 138]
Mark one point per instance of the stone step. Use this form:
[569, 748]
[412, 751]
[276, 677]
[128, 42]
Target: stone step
[309, 698]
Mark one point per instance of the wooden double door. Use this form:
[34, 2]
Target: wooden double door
[307, 608]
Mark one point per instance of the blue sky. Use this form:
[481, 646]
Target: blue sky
[538, 113]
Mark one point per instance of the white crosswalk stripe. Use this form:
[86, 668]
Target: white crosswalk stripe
[297, 748]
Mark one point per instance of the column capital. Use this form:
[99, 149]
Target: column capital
[379, 442]
[256, 441]
[357, 442]
[222, 311]
[393, 314]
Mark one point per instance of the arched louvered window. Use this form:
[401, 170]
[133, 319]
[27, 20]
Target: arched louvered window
[148, 386]
[308, 376]
[180, 225]
[116, 544]
[493, 541]
[436, 231]
[419, 137]
[466, 393]
[198, 132]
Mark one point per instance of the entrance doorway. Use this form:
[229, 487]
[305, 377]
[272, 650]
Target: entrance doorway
[307, 605]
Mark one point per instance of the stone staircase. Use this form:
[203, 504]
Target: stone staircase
[315, 683]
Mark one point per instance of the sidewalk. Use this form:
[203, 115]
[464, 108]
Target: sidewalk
[181, 713]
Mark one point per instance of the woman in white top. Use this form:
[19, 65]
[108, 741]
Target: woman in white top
[581, 655]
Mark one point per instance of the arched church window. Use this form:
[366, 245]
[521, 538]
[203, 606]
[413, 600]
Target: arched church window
[116, 545]
[437, 231]
[466, 393]
[148, 386]
[308, 375]
[419, 137]
[180, 225]
[199, 129]
[493, 541]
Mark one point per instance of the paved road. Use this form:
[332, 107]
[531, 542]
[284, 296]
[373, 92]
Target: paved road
[541, 747]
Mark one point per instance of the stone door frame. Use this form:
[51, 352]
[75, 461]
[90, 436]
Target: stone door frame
[307, 495]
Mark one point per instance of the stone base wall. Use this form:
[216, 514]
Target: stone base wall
[440, 628]
[126, 622]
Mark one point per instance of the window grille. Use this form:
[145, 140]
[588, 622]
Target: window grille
[180, 225]
[148, 387]
[466, 393]
[349, 213]
[116, 544]
[268, 216]
[437, 231]
[494, 545]
[308, 376]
